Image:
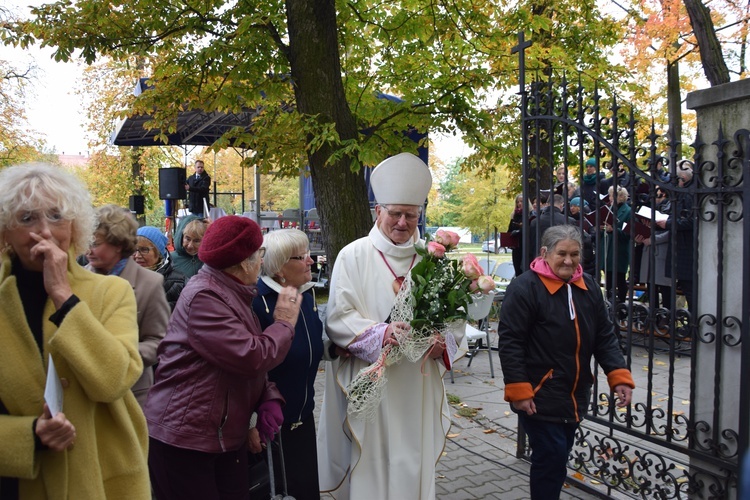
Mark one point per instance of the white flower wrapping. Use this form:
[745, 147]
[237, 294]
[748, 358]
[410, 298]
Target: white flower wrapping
[365, 391]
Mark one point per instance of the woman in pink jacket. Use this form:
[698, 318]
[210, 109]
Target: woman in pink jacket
[212, 371]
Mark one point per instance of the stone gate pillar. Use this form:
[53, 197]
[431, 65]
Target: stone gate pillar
[721, 403]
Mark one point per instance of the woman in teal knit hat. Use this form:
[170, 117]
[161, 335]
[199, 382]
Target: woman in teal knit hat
[589, 188]
[152, 254]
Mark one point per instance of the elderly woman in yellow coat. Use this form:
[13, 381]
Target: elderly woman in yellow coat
[53, 310]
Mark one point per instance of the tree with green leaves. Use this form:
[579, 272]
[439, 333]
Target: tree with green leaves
[315, 72]
[18, 143]
[568, 39]
[315, 88]
[666, 50]
[444, 205]
[476, 199]
[488, 202]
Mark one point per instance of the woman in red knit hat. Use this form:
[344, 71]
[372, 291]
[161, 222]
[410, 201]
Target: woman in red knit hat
[212, 371]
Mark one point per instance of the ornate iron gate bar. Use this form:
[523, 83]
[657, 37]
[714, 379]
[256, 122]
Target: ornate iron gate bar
[654, 449]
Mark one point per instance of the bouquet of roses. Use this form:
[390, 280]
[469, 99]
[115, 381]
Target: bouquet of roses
[434, 300]
[442, 287]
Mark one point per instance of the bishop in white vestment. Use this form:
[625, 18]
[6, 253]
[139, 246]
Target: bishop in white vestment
[392, 456]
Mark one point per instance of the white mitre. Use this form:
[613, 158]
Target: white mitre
[403, 179]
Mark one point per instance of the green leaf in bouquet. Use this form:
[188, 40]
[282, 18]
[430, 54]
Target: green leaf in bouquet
[418, 269]
[452, 298]
[420, 280]
[419, 323]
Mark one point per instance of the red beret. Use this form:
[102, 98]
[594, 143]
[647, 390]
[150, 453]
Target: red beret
[229, 240]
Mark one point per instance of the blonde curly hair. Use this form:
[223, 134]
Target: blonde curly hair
[118, 228]
[45, 188]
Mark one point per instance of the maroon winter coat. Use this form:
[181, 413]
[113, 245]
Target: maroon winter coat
[213, 363]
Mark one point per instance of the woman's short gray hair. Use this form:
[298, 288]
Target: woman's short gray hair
[41, 187]
[622, 194]
[118, 227]
[556, 234]
[281, 245]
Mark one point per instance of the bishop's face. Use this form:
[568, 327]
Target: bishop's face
[398, 222]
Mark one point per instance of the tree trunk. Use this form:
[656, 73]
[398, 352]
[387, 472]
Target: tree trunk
[703, 26]
[674, 107]
[340, 194]
[540, 145]
[137, 172]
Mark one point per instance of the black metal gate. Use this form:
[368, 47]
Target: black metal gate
[686, 431]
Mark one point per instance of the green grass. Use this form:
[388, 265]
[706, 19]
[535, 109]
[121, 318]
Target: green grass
[321, 295]
[468, 412]
[476, 249]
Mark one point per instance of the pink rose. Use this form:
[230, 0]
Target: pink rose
[436, 249]
[449, 239]
[471, 267]
[473, 286]
[486, 284]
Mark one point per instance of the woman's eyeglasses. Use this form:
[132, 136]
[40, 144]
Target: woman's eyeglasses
[143, 250]
[300, 257]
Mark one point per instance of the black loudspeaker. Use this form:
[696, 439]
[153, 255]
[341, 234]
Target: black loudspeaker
[136, 204]
[172, 184]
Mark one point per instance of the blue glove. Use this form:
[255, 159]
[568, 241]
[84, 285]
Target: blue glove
[270, 419]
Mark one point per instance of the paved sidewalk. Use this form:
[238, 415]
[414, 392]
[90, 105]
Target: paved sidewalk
[480, 461]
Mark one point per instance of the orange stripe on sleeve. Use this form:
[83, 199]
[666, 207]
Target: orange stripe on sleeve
[578, 364]
[518, 391]
[621, 376]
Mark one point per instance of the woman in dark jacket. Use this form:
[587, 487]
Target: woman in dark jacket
[288, 263]
[613, 236]
[212, 373]
[552, 322]
[515, 227]
[152, 254]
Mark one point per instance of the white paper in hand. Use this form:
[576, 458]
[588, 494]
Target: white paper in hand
[649, 213]
[53, 392]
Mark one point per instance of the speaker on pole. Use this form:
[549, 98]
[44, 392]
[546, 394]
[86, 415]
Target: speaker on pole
[136, 204]
[172, 184]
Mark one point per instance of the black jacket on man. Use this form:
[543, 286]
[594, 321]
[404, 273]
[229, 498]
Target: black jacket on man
[198, 188]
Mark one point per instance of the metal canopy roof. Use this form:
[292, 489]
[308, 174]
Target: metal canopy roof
[200, 128]
[194, 128]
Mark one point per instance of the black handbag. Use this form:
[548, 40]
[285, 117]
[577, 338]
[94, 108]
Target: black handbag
[261, 472]
[257, 469]
[274, 495]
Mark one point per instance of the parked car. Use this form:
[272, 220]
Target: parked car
[489, 246]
